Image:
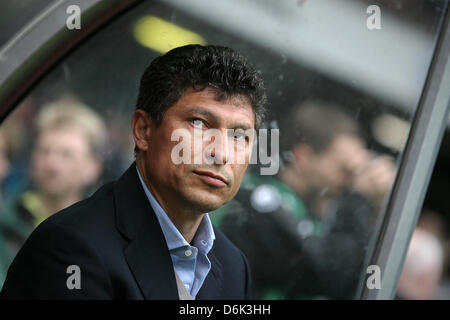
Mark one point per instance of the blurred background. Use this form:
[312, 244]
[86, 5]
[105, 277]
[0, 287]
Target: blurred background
[343, 96]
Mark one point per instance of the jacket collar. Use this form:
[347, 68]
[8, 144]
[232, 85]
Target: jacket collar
[136, 220]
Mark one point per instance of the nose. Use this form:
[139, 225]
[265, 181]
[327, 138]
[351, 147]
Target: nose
[218, 148]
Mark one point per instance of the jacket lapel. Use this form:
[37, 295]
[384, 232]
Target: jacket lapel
[212, 287]
[147, 253]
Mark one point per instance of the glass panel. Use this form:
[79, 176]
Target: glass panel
[343, 81]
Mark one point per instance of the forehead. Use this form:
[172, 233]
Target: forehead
[344, 146]
[71, 136]
[228, 109]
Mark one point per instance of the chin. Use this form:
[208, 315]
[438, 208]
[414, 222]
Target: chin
[205, 202]
[207, 206]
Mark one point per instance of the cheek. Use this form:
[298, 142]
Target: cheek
[238, 173]
[160, 150]
[74, 161]
[160, 163]
[332, 171]
[326, 171]
[44, 164]
[241, 153]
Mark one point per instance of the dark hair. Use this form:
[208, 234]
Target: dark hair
[195, 66]
[316, 123]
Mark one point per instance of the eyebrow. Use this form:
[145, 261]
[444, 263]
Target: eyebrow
[211, 116]
[204, 112]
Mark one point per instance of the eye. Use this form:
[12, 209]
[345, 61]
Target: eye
[239, 135]
[197, 123]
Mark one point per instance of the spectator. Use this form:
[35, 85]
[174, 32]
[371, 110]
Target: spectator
[66, 159]
[306, 230]
[147, 235]
[422, 270]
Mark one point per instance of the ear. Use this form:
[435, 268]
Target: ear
[141, 125]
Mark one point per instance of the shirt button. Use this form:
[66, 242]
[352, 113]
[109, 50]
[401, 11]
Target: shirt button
[186, 286]
[187, 253]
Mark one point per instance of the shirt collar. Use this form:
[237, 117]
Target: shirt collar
[204, 237]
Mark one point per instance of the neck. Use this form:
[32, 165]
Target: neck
[187, 224]
[185, 219]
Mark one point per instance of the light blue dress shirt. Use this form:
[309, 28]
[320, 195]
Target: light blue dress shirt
[190, 262]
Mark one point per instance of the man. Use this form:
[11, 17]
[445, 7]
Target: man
[423, 267]
[313, 220]
[327, 156]
[66, 160]
[148, 235]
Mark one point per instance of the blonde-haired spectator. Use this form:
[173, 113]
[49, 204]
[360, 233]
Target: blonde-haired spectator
[66, 159]
[70, 113]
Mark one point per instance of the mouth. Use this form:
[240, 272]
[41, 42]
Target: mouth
[211, 178]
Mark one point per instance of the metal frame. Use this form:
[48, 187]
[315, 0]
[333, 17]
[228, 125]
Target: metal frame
[415, 172]
[44, 41]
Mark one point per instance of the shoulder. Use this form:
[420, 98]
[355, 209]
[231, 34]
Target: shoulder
[223, 245]
[227, 253]
[235, 270]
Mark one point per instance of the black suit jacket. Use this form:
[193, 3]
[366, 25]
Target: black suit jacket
[115, 239]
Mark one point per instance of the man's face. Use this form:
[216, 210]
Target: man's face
[191, 183]
[62, 162]
[334, 167]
